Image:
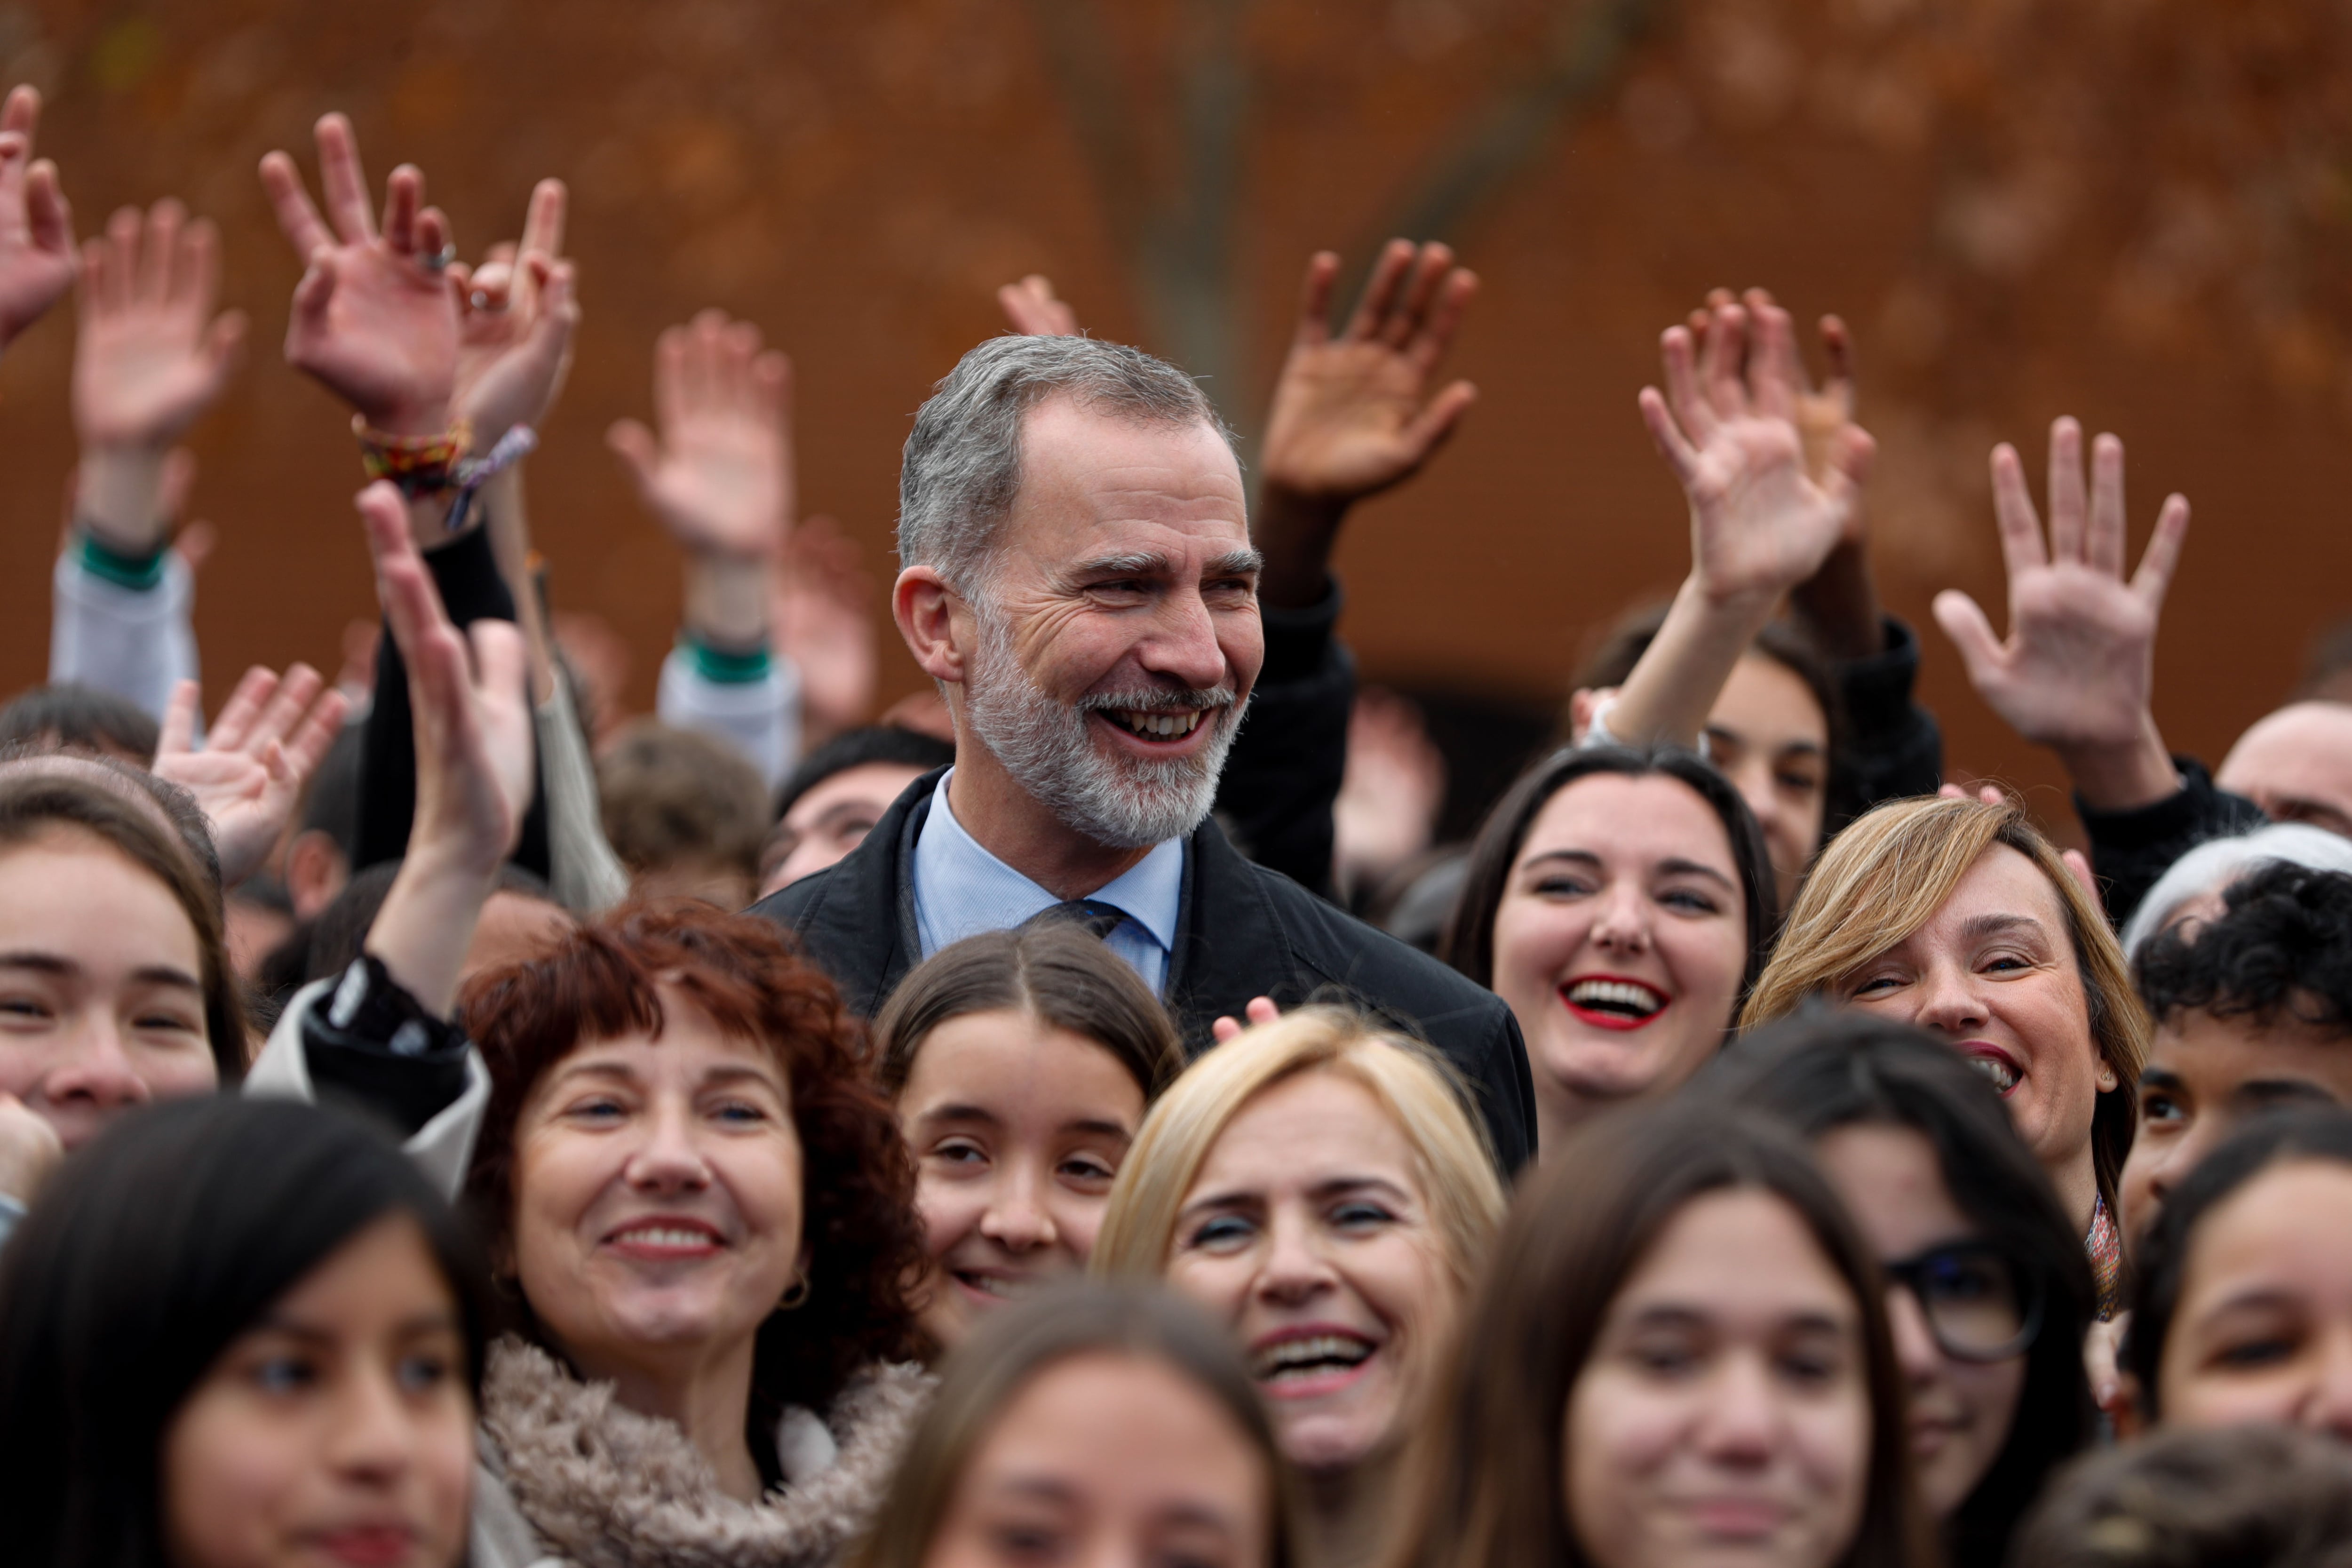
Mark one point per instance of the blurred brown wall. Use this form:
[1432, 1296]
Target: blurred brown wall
[2134, 213]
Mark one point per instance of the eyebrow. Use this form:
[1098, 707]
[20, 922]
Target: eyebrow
[1978, 927]
[1333, 1188]
[1676, 1314]
[1673, 866]
[1792, 749]
[1146, 562]
[2269, 1089]
[50, 964]
[438, 1321]
[608, 1067]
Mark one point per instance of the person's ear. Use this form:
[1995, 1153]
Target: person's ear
[2108, 1080]
[316, 871]
[934, 620]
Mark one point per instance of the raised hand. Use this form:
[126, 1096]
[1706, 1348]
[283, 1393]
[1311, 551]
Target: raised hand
[1353, 415]
[471, 710]
[375, 316]
[720, 476]
[521, 311]
[36, 245]
[1760, 523]
[823, 609]
[150, 356]
[1031, 306]
[2077, 670]
[248, 776]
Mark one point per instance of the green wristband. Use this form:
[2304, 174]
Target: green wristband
[722, 667]
[137, 572]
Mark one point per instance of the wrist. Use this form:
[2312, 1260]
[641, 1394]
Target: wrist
[411, 421]
[727, 600]
[1295, 529]
[2122, 776]
[1839, 605]
[119, 497]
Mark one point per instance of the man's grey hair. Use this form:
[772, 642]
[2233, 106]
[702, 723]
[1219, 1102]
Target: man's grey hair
[963, 462]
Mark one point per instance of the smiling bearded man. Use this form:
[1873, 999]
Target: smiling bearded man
[1077, 575]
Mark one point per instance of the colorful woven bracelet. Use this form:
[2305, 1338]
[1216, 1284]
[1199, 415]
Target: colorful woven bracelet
[419, 465]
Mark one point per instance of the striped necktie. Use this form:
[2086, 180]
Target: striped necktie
[1101, 918]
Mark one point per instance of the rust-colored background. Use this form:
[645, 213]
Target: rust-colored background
[2134, 210]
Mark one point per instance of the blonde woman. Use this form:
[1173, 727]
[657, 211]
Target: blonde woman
[1320, 1188]
[1959, 916]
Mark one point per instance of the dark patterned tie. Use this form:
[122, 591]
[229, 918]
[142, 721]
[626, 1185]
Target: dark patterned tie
[1097, 918]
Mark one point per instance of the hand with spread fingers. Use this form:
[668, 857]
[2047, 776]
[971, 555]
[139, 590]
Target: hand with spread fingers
[36, 243]
[2077, 670]
[149, 357]
[1354, 413]
[1033, 308]
[520, 312]
[471, 710]
[720, 476]
[248, 776]
[375, 317]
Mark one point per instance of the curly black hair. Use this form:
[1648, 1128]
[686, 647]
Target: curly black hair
[2280, 947]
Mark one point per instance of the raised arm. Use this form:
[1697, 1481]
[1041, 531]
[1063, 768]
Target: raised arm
[1761, 522]
[2077, 668]
[1354, 413]
[36, 245]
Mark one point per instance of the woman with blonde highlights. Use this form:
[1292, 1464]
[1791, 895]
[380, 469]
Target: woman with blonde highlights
[1957, 916]
[1322, 1189]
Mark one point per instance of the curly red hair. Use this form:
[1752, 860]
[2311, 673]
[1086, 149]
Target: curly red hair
[602, 981]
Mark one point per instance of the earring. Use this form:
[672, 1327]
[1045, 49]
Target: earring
[797, 1296]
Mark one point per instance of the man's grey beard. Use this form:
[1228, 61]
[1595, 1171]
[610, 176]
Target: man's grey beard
[1126, 802]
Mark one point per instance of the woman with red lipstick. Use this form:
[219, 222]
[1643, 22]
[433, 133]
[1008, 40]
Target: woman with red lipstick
[1989, 1294]
[238, 1333]
[1021, 1063]
[1323, 1190]
[703, 1209]
[1621, 902]
[1679, 1357]
[1957, 916]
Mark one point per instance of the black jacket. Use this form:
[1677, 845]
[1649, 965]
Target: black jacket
[1242, 931]
[2131, 849]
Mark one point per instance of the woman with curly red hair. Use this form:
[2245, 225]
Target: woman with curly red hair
[704, 1216]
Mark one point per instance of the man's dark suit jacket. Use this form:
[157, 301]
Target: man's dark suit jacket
[1242, 931]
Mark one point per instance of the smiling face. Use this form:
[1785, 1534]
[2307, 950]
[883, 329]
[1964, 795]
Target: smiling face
[1994, 973]
[657, 1196]
[1769, 737]
[2204, 1076]
[337, 1429]
[2263, 1331]
[1117, 637]
[1017, 1129]
[102, 1003]
[1308, 1232]
[1108, 1459]
[1960, 1411]
[1722, 1416]
[1620, 944]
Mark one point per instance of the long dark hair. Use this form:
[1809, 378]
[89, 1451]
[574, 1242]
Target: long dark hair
[1821, 1071]
[1491, 1460]
[1469, 944]
[2314, 1133]
[152, 1251]
[1009, 1350]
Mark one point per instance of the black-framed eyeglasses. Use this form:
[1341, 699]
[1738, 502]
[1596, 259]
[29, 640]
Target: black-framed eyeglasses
[1975, 1302]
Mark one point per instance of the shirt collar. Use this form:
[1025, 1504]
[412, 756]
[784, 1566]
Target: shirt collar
[986, 894]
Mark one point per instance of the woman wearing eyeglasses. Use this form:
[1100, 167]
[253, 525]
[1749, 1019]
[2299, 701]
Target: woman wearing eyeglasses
[1988, 1293]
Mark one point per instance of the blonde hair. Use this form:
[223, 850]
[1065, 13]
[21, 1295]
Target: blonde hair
[1451, 1158]
[1885, 876]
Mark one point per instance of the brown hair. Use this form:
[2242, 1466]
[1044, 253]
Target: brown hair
[2272, 1495]
[1885, 877]
[1015, 1347]
[1053, 969]
[857, 1184]
[1488, 1473]
[35, 802]
[675, 797]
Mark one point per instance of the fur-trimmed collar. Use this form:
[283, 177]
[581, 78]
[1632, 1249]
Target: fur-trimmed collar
[607, 1487]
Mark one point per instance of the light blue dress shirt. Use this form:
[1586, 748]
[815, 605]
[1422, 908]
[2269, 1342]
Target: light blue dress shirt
[961, 890]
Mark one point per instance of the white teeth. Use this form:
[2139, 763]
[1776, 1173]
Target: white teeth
[1005, 1287]
[1302, 1356]
[1638, 1000]
[660, 1237]
[1164, 725]
[2004, 1077]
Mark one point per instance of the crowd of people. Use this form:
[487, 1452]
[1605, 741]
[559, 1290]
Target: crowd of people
[1078, 1117]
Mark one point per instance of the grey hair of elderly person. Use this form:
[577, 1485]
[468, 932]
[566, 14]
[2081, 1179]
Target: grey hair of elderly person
[961, 467]
[2207, 871]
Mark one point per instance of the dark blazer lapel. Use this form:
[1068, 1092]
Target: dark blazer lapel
[1230, 944]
